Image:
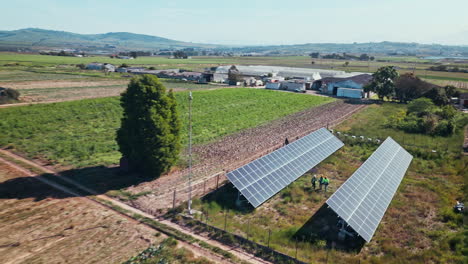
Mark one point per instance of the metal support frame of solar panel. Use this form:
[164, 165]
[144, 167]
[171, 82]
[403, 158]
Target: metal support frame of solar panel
[363, 199]
[264, 177]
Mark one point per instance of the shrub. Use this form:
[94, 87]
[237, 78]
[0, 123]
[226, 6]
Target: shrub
[8, 95]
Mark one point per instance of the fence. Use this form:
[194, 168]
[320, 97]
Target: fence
[257, 249]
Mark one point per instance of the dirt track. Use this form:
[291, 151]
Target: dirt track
[196, 249]
[236, 150]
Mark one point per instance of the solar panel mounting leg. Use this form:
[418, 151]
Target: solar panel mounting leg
[343, 233]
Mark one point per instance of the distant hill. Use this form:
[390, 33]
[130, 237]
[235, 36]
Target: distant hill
[385, 47]
[40, 39]
[35, 39]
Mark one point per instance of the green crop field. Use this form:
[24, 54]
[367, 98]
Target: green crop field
[81, 133]
[64, 66]
[419, 217]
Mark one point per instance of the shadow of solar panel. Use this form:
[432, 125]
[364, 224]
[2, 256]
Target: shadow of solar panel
[262, 178]
[363, 199]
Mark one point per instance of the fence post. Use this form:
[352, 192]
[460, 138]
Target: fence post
[217, 181]
[248, 228]
[173, 199]
[269, 235]
[296, 249]
[225, 219]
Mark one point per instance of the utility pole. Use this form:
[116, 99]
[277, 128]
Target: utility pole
[190, 153]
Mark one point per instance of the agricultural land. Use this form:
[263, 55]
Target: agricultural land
[66, 122]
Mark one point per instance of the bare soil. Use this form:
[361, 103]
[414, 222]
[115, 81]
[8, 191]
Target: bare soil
[61, 84]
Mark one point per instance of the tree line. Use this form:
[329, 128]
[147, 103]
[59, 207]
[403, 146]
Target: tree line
[344, 56]
[429, 110]
[387, 83]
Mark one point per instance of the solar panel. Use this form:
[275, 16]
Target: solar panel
[363, 199]
[259, 180]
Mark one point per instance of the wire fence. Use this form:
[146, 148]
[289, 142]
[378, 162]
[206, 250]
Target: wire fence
[272, 243]
[267, 243]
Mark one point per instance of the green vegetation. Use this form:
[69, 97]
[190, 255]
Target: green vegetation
[420, 215]
[66, 66]
[149, 136]
[166, 252]
[383, 82]
[423, 116]
[82, 133]
[8, 95]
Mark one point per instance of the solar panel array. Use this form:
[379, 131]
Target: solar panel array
[363, 199]
[264, 177]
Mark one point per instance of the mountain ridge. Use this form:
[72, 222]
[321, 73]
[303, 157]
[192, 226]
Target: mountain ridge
[38, 39]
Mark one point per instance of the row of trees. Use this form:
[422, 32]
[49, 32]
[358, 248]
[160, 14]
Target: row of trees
[428, 110]
[345, 56]
[387, 83]
[180, 54]
[445, 68]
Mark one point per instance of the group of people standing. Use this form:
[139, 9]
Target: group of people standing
[323, 181]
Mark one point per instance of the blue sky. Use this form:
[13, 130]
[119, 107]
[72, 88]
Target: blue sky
[255, 22]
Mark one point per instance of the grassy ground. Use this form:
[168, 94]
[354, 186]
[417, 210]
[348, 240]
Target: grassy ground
[82, 133]
[42, 67]
[66, 90]
[167, 252]
[418, 227]
[41, 225]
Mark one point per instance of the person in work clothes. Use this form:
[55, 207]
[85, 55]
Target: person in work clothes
[321, 182]
[326, 181]
[314, 181]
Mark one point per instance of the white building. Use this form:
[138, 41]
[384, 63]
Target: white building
[290, 72]
[273, 85]
[293, 86]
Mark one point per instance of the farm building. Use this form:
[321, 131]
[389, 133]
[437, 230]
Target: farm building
[220, 77]
[100, 66]
[273, 85]
[331, 85]
[136, 69]
[273, 79]
[251, 81]
[350, 93]
[290, 72]
[464, 100]
[293, 86]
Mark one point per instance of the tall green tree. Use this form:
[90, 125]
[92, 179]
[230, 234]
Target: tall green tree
[384, 82]
[149, 136]
[234, 75]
